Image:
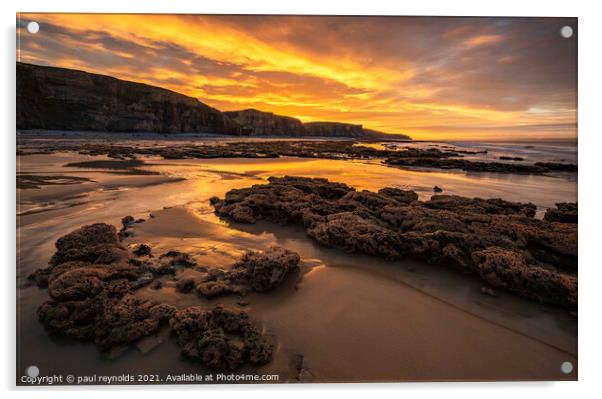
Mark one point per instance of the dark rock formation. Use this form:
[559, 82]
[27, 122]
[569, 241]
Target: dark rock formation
[565, 212]
[257, 271]
[491, 206]
[495, 239]
[557, 167]
[471, 166]
[142, 250]
[258, 123]
[90, 283]
[220, 338]
[95, 301]
[265, 270]
[167, 263]
[66, 99]
[322, 149]
[28, 181]
[97, 243]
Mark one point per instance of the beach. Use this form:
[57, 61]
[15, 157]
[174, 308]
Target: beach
[341, 316]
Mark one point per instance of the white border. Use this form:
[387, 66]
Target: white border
[590, 112]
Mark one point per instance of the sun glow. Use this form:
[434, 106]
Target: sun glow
[446, 81]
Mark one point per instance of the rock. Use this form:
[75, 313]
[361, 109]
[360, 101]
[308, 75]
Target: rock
[95, 302]
[488, 291]
[538, 258]
[257, 271]
[242, 302]
[177, 258]
[423, 160]
[168, 262]
[127, 221]
[96, 243]
[437, 189]
[143, 280]
[212, 289]
[185, 285]
[129, 320]
[507, 269]
[401, 196]
[557, 167]
[220, 338]
[565, 212]
[142, 250]
[90, 281]
[265, 270]
[492, 206]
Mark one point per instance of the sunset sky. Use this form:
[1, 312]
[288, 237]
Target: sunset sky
[431, 78]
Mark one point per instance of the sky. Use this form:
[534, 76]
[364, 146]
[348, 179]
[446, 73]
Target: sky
[428, 77]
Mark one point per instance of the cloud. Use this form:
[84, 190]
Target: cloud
[484, 40]
[420, 75]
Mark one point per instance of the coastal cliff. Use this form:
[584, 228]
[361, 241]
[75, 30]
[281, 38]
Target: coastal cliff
[334, 129]
[50, 98]
[257, 123]
[65, 99]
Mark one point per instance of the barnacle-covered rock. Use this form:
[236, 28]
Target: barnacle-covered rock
[220, 338]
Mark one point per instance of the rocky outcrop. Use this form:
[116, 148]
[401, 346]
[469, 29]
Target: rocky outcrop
[255, 271]
[91, 283]
[91, 280]
[499, 241]
[257, 123]
[66, 99]
[220, 338]
[565, 212]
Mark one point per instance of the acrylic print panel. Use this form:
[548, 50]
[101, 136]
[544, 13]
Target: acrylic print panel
[271, 199]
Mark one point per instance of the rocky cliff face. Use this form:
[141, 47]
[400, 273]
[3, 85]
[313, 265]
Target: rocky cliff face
[65, 99]
[258, 123]
[334, 129]
[50, 98]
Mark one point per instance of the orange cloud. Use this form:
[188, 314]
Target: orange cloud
[484, 40]
[428, 77]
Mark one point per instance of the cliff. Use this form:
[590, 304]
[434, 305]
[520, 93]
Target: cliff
[334, 129]
[50, 98]
[258, 123]
[65, 99]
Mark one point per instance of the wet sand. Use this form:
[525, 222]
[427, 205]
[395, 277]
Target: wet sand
[350, 318]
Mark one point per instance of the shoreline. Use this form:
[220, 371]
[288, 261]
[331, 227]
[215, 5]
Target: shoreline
[404, 294]
[392, 153]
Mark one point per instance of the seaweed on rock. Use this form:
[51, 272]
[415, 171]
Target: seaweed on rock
[498, 240]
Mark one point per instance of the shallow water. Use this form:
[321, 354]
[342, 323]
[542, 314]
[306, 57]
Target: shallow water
[352, 318]
[560, 151]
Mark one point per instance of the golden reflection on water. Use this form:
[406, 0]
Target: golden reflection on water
[214, 177]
